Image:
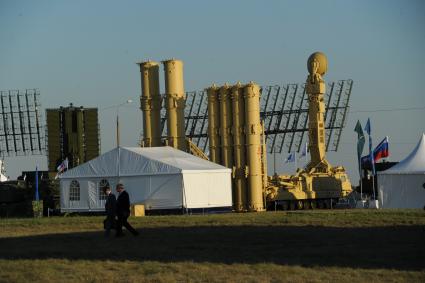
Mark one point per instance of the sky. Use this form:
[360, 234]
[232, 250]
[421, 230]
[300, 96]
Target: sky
[84, 52]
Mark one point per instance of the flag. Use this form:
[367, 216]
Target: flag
[360, 143]
[304, 152]
[61, 167]
[360, 138]
[368, 131]
[290, 158]
[381, 150]
[64, 165]
[37, 197]
[367, 127]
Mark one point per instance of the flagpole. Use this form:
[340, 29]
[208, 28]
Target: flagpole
[361, 180]
[373, 184]
[372, 160]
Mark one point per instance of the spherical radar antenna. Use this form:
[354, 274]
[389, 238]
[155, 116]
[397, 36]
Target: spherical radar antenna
[317, 60]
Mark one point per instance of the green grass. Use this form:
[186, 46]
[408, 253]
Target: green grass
[312, 246]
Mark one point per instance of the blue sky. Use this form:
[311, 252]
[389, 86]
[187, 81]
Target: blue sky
[84, 52]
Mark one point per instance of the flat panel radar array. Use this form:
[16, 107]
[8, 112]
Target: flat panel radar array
[284, 110]
[72, 133]
[21, 131]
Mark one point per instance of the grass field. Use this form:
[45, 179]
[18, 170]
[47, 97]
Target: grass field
[305, 246]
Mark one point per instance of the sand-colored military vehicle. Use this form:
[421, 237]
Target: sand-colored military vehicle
[319, 184]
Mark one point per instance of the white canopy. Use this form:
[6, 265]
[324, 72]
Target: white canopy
[158, 177]
[403, 185]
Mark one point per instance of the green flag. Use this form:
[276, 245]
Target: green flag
[360, 142]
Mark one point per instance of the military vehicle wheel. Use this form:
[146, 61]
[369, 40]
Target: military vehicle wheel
[320, 204]
[285, 205]
[313, 204]
[306, 204]
[291, 205]
[300, 204]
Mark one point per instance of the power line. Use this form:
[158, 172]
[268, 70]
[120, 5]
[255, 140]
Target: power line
[389, 110]
[391, 142]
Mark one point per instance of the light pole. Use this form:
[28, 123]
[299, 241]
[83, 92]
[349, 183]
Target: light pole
[118, 124]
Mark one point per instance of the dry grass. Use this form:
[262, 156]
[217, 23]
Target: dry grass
[60, 270]
[310, 246]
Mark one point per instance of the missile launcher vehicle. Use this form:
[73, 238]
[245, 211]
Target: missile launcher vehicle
[318, 185]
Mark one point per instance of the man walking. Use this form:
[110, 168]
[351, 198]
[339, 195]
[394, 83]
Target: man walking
[110, 209]
[123, 211]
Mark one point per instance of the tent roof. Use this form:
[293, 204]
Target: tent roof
[134, 161]
[413, 163]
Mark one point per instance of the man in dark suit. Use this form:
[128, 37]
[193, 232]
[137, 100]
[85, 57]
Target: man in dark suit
[110, 209]
[123, 211]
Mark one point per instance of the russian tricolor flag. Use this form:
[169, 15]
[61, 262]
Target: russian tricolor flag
[63, 166]
[381, 150]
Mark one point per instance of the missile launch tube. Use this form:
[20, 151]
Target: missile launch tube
[226, 126]
[150, 103]
[80, 139]
[214, 124]
[240, 184]
[175, 103]
[264, 158]
[253, 131]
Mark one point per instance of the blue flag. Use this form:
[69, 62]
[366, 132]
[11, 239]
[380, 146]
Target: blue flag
[367, 127]
[290, 158]
[304, 151]
[37, 197]
[368, 131]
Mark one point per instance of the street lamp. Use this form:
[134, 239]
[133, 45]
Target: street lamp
[118, 124]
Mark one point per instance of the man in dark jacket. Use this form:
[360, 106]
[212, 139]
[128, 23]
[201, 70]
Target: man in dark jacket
[110, 209]
[123, 211]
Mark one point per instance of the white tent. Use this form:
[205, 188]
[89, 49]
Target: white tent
[158, 177]
[3, 177]
[403, 185]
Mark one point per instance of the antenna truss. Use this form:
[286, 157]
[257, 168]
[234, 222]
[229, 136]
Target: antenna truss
[20, 123]
[284, 111]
